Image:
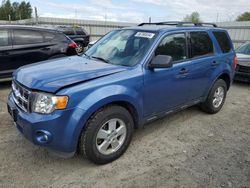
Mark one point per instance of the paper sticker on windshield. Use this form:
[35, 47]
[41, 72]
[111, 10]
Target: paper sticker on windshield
[145, 35]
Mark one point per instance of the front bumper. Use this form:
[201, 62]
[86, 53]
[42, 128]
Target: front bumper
[242, 76]
[62, 127]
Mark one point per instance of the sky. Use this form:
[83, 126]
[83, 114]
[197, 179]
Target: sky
[140, 10]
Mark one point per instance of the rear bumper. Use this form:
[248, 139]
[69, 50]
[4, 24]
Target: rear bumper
[241, 76]
[58, 131]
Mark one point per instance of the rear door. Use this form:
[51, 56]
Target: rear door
[5, 49]
[28, 47]
[202, 63]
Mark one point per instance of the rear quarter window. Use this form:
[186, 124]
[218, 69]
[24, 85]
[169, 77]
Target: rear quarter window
[223, 40]
[201, 44]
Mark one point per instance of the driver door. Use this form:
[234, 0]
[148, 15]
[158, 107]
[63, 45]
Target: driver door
[167, 88]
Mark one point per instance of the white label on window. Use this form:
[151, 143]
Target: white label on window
[145, 35]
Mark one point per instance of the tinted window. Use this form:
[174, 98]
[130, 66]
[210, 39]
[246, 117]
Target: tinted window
[80, 31]
[173, 45]
[4, 40]
[201, 44]
[223, 41]
[27, 37]
[48, 36]
[68, 31]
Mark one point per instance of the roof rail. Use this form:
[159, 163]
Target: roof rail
[180, 24]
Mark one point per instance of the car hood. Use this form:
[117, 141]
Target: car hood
[243, 59]
[52, 75]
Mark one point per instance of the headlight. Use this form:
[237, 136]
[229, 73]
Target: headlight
[46, 104]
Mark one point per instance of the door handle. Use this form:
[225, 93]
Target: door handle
[215, 63]
[183, 71]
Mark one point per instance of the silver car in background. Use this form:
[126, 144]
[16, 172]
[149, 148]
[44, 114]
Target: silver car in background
[243, 67]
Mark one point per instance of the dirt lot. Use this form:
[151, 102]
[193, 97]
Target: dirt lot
[187, 149]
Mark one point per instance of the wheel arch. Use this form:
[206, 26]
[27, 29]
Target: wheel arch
[226, 78]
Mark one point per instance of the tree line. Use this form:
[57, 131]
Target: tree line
[15, 11]
[23, 10]
[194, 17]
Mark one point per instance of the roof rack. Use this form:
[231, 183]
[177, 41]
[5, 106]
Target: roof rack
[180, 24]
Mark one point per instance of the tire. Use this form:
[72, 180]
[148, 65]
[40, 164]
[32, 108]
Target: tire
[80, 47]
[91, 143]
[211, 105]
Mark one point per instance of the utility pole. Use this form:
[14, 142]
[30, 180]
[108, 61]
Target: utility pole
[36, 15]
[105, 17]
[217, 17]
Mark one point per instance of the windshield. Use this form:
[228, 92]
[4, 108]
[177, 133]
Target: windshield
[244, 49]
[122, 47]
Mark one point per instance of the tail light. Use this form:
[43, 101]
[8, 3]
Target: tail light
[235, 62]
[73, 45]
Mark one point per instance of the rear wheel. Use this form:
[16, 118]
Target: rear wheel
[107, 134]
[80, 47]
[216, 97]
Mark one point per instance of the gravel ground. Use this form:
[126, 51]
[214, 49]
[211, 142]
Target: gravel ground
[186, 149]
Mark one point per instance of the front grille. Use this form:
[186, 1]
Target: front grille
[21, 96]
[244, 69]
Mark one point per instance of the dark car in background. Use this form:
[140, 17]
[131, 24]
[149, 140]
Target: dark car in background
[22, 45]
[77, 34]
[243, 67]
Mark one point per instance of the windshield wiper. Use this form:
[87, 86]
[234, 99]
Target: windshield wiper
[100, 58]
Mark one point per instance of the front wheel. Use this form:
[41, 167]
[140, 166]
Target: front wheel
[107, 134]
[216, 97]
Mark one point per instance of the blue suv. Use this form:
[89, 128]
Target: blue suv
[93, 102]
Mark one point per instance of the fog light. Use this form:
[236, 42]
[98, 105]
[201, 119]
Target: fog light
[43, 137]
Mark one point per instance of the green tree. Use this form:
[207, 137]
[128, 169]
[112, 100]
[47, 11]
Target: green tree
[25, 10]
[194, 17]
[6, 11]
[15, 11]
[244, 17]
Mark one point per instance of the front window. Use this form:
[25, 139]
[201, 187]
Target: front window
[173, 45]
[122, 47]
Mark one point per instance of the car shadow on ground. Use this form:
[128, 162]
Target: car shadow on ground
[239, 83]
[5, 85]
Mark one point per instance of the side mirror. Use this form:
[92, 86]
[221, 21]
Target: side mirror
[161, 61]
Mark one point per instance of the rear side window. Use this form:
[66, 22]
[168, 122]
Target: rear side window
[22, 37]
[68, 31]
[4, 39]
[201, 44]
[223, 41]
[173, 45]
[80, 31]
